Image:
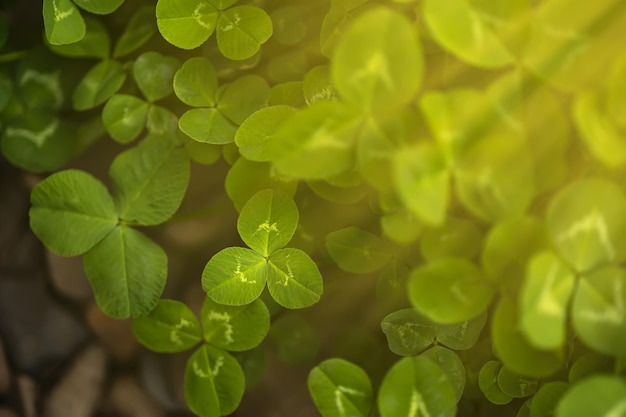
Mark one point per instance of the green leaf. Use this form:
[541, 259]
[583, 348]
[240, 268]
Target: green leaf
[241, 31]
[71, 212]
[235, 276]
[214, 382]
[544, 402]
[422, 182]
[408, 332]
[339, 387]
[154, 74]
[258, 129]
[95, 44]
[315, 143]
[601, 136]
[377, 64]
[401, 226]
[416, 386]
[509, 246]
[512, 347]
[162, 122]
[195, 82]
[293, 278]
[461, 336]
[235, 328]
[488, 382]
[601, 395]
[268, 221]
[207, 126]
[150, 181]
[544, 300]
[288, 94]
[6, 90]
[186, 24]
[514, 385]
[457, 118]
[63, 22]
[99, 6]
[589, 364]
[242, 97]
[599, 312]
[137, 32]
[202, 153]
[459, 28]
[98, 85]
[170, 327]
[223, 4]
[124, 117]
[451, 365]
[355, 250]
[317, 85]
[587, 223]
[459, 238]
[338, 194]
[38, 142]
[127, 272]
[495, 179]
[245, 178]
[450, 290]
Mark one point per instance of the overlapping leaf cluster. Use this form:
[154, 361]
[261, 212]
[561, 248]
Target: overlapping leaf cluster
[485, 138]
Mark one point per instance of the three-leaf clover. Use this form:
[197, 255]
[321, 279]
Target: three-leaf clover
[237, 276]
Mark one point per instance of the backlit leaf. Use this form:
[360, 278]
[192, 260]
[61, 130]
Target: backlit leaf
[293, 279]
[254, 133]
[214, 382]
[241, 30]
[268, 221]
[599, 310]
[170, 327]
[587, 223]
[378, 73]
[245, 178]
[195, 83]
[461, 29]
[512, 347]
[339, 387]
[450, 290]
[601, 395]
[95, 43]
[186, 24]
[544, 300]
[235, 276]
[207, 126]
[235, 328]
[63, 22]
[242, 97]
[416, 386]
[421, 180]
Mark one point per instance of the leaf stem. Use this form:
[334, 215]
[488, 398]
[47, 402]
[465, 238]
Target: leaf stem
[12, 56]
